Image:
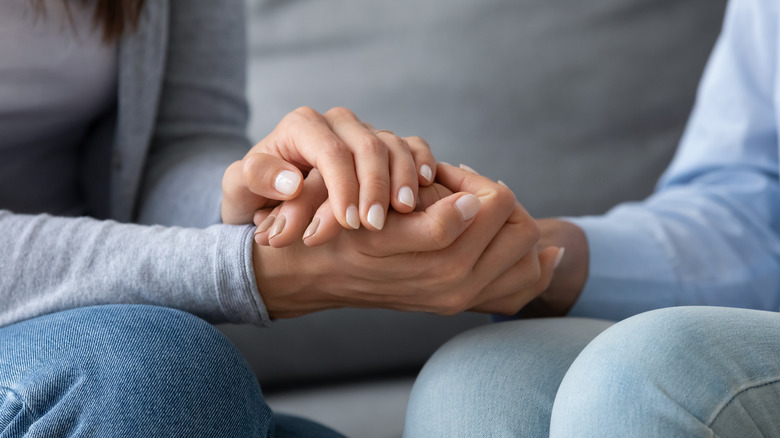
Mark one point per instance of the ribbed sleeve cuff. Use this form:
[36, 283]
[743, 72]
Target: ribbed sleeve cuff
[629, 271]
[235, 277]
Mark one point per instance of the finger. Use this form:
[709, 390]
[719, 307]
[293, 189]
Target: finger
[372, 165]
[403, 173]
[424, 161]
[323, 226]
[421, 231]
[498, 204]
[428, 196]
[264, 227]
[294, 216]
[517, 240]
[506, 295]
[249, 184]
[304, 136]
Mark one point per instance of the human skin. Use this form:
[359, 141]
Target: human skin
[570, 274]
[434, 260]
[364, 170]
[426, 259]
[556, 299]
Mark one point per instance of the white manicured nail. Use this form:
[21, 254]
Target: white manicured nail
[464, 167]
[287, 182]
[376, 216]
[468, 206]
[503, 183]
[559, 257]
[352, 217]
[312, 228]
[406, 196]
[426, 172]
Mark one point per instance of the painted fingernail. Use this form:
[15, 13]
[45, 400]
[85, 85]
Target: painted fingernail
[464, 167]
[265, 224]
[468, 206]
[406, 196]
[278, 227]
[559, 257]
[426, 172]
[352, 217]
[287, 182]
[503, 183]
[376, 216]
[312, 228]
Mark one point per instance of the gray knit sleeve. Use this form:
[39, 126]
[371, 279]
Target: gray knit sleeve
[51, 264]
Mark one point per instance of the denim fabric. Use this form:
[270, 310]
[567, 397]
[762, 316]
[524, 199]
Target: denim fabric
[677, 372]
[498, 380]
[130, 370]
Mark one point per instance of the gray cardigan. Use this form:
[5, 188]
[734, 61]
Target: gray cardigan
[157, 158]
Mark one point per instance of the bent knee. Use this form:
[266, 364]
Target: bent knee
[149, 342]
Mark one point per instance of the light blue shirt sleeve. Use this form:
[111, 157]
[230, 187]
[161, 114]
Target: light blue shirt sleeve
[710, 235]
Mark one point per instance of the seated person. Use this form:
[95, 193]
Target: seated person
[709, 236]
[132, 111]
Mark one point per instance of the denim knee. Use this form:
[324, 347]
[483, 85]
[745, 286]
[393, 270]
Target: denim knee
[498, 380]
[131, 370]
[634, 379]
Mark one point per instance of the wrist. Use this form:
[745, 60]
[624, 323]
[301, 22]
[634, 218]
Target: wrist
[570, 275]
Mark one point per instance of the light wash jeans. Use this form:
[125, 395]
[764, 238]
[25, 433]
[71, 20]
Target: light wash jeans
[678, 372]
[131, 371]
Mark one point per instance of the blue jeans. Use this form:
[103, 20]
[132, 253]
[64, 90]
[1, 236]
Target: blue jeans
[128, 370]
[679, 372]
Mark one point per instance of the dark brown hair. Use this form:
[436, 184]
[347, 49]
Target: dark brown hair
[117, 17]
[114, 17]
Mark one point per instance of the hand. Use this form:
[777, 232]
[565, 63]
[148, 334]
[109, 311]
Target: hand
[364, 170]
[452, 256]
[571, 273]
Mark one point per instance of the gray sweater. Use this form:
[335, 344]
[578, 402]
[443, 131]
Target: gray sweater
[157, 159]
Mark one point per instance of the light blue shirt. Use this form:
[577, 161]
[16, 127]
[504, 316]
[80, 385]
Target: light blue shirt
[710, 234]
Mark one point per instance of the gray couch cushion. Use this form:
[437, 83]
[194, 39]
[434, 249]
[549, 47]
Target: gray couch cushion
[576, 105]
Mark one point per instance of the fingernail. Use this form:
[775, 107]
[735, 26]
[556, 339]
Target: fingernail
[468, 206]
[278, 227]
[559, 257]
[312, 228]
[406, 196]
[265, 224]
[503, 183]
[464, 167]
[287, 182]
[426, 172]
[376, 216]
[352, 217]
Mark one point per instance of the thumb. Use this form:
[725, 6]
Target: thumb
[252, 183]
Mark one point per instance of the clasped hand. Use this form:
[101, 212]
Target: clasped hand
[464, 243]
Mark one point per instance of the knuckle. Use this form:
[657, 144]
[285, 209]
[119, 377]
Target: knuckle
[532, 232]
[417, 141]
[440, 234]
[454, 304]
[232, 174]
[403, 145]
[376, 186]
[371, 145]
[334, 148]
[505, 197]
[340, 113]
[305, 112]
